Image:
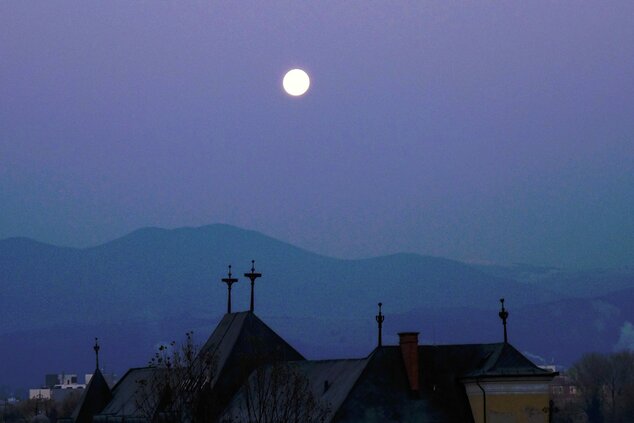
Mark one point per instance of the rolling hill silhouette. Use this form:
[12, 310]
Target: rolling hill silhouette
[157, 273]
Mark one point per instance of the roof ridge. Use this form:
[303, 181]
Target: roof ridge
[217, 345]
[496, 353]
[229, 319]
[131, 369]
[257, 319]
[136, 382]
[367, 360]
[473, 344]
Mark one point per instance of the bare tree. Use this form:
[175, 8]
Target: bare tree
[170, 393]
[27, 409]
[68, 404]
[606, 386]
[277, 393]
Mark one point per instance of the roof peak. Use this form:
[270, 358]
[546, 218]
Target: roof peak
[94, 398]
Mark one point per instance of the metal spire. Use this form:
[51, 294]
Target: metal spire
[229, 281]
[504, 315]
[380, 318]
[252, 276]
[96, 348]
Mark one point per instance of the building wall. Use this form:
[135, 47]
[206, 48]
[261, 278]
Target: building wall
[510, 401]
[40, 393]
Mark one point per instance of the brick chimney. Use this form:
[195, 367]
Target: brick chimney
[408, 342]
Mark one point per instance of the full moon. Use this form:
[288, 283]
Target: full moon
[296, 82]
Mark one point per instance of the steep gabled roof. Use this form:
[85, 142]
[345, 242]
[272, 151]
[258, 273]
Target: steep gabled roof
[94, 398]
[504, 360]
[237, 336]
[238, 343]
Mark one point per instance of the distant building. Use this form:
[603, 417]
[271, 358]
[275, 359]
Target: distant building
[40, 393]
[564, 390]
[51, 380]
[58, 387]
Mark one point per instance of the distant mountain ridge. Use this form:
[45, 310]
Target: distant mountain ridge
[153, 273]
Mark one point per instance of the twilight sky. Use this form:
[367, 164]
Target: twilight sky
[498, 132]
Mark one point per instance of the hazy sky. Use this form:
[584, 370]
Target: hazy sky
[489, 131]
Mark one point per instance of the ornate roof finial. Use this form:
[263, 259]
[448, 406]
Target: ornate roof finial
[96, 348]
[380, 318]
[504, 315]
[252, 276]
[229, 281]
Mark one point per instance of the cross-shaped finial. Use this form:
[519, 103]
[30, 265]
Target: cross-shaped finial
[229, 281]
[252, 276]
[504, 315]
[380, 318]
[96, 348]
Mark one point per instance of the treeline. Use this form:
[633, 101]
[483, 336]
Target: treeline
[46, 409]
[599, 388]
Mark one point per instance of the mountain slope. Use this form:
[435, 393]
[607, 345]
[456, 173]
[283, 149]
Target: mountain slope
[587, 283]
[157, 273]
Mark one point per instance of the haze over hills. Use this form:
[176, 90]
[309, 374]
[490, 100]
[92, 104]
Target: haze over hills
[586, 283]
[155, 273]
[154, 284]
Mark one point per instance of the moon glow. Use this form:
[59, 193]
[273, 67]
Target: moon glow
[296, 82]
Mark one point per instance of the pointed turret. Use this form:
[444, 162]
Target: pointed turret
[96, 395]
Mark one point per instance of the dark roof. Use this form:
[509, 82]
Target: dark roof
[94, 398]
[340, 375]
[376, 388]
[497, 360]
[382, 392]
[237, 335]
[132, 397]
[240, 343]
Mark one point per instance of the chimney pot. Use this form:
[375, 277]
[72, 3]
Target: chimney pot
[408, 342]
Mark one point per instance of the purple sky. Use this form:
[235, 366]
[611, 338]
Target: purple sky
[499, 132]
